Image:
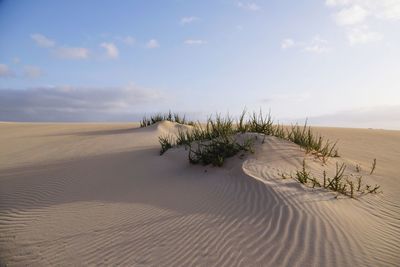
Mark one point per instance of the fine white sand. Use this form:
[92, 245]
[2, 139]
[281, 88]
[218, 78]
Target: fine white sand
[100, 194]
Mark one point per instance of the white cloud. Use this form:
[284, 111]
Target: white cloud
[380, 9]
[357, 15]
[42, 40]
[75, 103]
[72, 52]
[350, 16]
[287, 43]
[32, 72]
[111, 50]
[153, 43]
[362, 35]
[248, 6]
[195, 42]
[317, 45]
[5, 71]
[187, 20]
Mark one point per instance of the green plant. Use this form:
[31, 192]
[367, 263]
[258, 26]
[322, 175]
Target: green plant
[147, 121]
[217, 150]
[303, 176]
[166, 143]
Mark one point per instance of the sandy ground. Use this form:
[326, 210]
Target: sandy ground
[100, 194]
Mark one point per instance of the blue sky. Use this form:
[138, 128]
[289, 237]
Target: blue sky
[115, 60]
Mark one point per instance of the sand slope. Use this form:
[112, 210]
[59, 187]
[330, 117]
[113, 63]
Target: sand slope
[100, 194]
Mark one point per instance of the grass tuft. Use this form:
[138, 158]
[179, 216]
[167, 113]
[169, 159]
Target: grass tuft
[166, 143]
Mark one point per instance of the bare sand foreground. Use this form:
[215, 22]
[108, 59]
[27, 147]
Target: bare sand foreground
[100, 194]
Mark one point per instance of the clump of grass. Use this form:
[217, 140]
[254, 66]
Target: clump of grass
[260, 123]
[336, 183]
[340, 182]
[217, 150]
[305, 138]
[147, 121]
[166, 143]
[303, 176]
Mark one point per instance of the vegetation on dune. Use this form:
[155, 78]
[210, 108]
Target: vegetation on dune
[173, 117]
[341, 182]
[222, 137]
[217, 150]
[226, 127]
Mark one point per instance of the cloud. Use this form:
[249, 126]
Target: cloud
[350, 16]
[153, 43]
[353, 14]
[380, 9]
[317, 45]
[42, 40]
[188, 20]
[72, 52]
[248, 6]
[32, 72]
[75, 103]
[287, 43]
[5, 71]
[111, 50]
[362, 35]
[63, 52]
[194, 42]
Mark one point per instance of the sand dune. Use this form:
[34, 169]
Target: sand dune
[100, 194]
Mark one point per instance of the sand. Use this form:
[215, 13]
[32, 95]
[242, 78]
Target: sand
[100, 194]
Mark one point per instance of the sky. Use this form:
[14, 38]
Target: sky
[333, 61]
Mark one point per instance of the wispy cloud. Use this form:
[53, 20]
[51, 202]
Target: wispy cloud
[188, 20]
[5, 71]
[63, 52]
[32, 72]
[248, 6]
[42, 40]
[72, 52]
[362, 35]
[287, 43]
[195, 42]
[111, 50]
[74, 103]
[153, 43]
[315, 45]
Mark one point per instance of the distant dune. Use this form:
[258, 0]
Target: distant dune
[100, 194]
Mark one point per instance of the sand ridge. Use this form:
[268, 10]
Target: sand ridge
[100, 194]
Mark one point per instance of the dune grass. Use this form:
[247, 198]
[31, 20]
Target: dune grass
[217, 150]
[340, 182]
[224, 128]
[173, 117]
